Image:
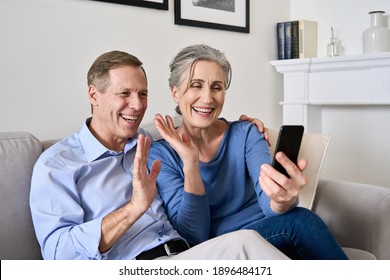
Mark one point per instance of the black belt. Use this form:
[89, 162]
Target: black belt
[170, 248]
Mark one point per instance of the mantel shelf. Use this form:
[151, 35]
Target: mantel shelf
[362, 80]
[341, 102]
[332, 63]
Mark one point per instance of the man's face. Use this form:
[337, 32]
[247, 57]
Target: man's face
[118, 112]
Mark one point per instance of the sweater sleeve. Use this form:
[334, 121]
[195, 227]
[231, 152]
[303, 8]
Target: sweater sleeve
[257, 152]
[188, 213]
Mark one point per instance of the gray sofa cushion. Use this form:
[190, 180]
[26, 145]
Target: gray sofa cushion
[18, 154]
[357, 214]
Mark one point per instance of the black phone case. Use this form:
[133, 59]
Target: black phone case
[289, 142]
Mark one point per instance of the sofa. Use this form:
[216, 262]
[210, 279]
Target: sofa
[357, 214]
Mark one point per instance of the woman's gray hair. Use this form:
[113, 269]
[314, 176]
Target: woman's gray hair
[186, 59]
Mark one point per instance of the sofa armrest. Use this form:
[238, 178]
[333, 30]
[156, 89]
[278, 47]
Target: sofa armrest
[357, 214]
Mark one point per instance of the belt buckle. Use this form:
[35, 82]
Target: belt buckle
[169, 253]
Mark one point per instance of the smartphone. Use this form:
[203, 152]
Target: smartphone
[289, 142]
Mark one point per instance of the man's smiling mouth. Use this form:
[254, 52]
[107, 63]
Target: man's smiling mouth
[129, 118]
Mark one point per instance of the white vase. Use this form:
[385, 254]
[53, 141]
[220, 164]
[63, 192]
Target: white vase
[376, 39]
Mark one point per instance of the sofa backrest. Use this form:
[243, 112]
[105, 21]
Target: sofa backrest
[313, 149]
[18, 154]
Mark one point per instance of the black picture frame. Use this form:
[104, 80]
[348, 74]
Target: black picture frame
[199, 13]
[140, 3]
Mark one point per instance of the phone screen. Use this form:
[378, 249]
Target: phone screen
[289, 142]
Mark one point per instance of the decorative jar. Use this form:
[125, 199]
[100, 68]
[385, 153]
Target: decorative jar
[376, 38]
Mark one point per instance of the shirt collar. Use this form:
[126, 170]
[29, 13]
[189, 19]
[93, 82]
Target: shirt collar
[94, 149]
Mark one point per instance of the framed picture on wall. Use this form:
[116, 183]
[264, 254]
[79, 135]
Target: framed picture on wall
[155, 4]
[231, 15]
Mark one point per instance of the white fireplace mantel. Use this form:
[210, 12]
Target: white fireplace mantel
[343, 80]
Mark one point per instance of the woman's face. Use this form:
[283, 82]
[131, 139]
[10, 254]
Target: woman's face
[202, 103]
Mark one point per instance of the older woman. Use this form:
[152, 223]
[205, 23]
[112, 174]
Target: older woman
[216, 175]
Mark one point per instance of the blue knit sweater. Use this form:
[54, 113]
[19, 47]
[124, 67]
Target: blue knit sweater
[233, 200]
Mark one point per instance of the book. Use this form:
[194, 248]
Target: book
[280, 39]
[297, 39]
[308, 32]
[287, 40]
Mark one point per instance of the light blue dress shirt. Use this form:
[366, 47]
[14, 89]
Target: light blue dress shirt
[75, 183]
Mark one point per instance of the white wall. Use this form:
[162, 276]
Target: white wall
[47, 46]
